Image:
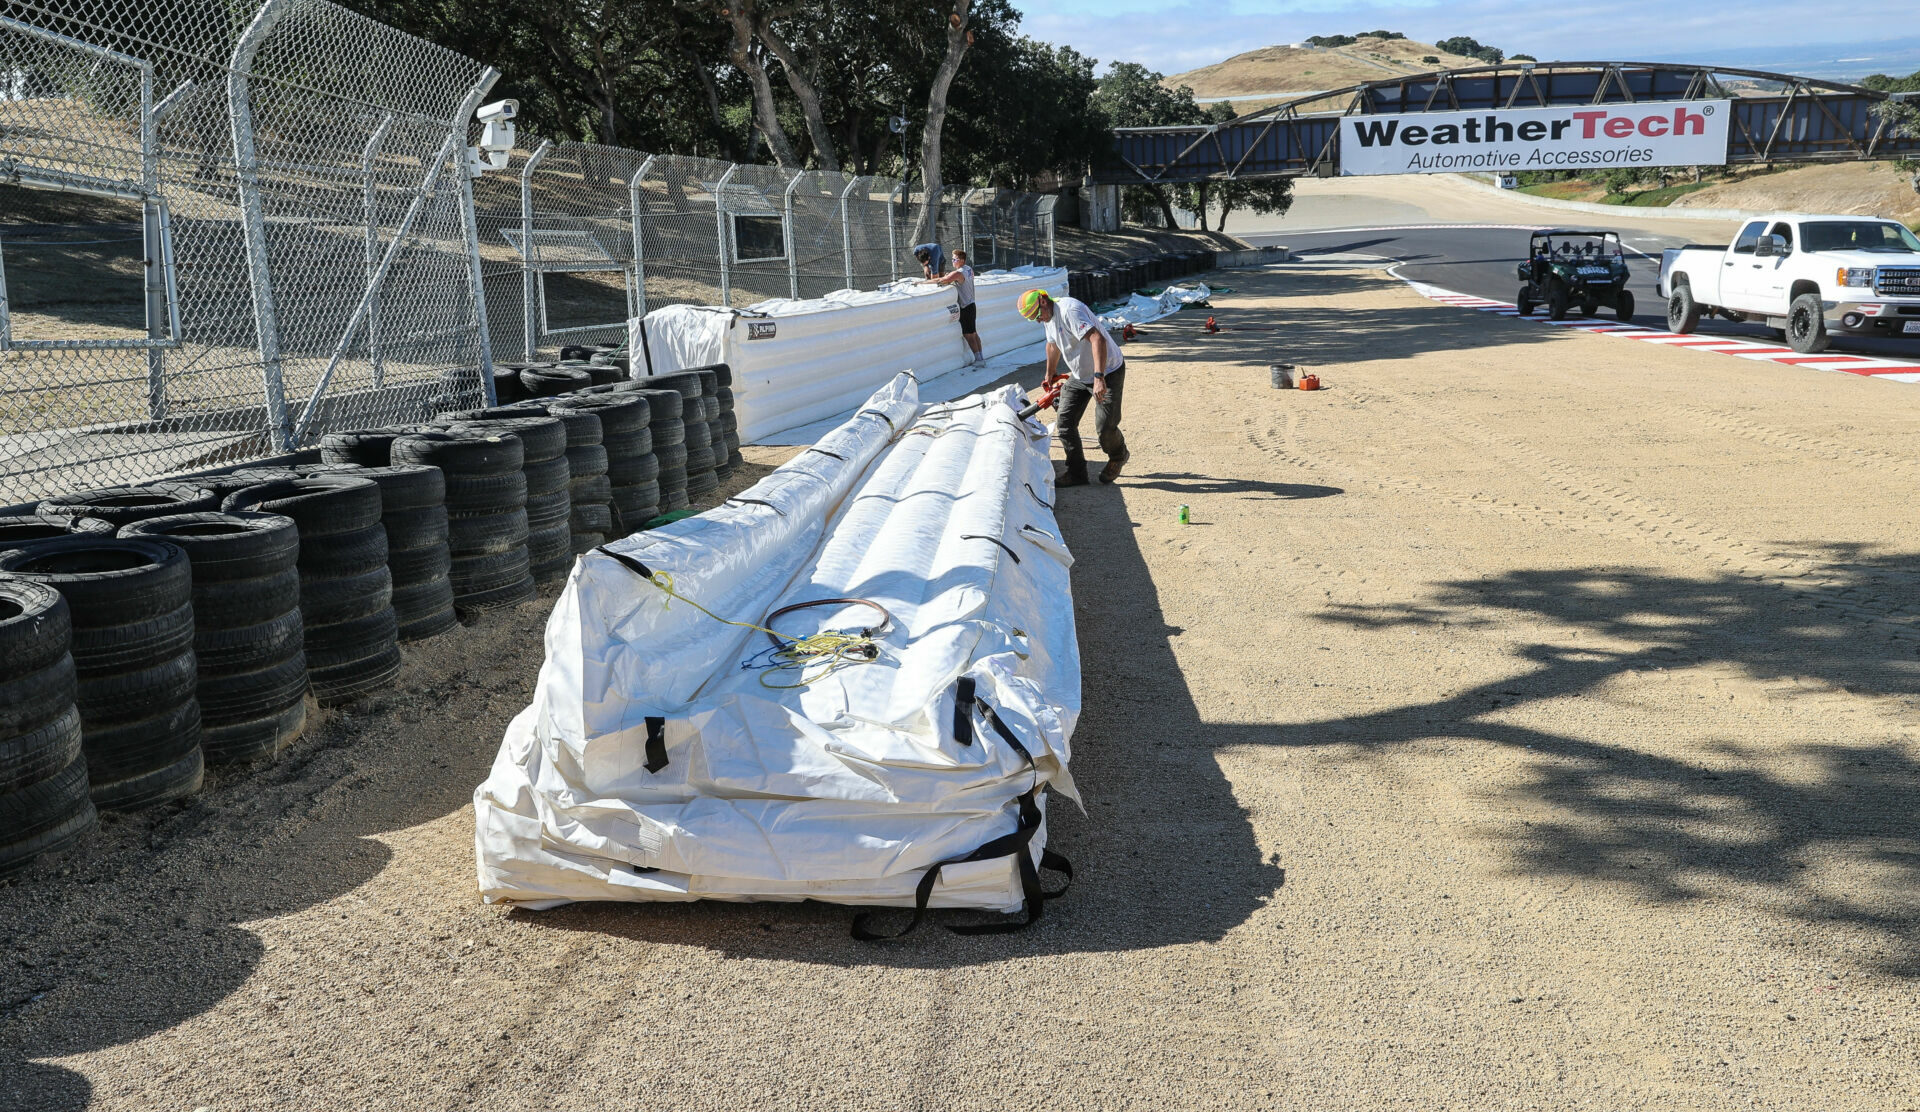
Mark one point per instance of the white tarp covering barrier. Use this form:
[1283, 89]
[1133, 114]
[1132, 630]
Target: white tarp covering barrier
[795, 362]
[1141, 309]
[663, 759]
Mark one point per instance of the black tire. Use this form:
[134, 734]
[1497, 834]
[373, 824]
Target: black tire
[586, 542]
[364, 447]
[487, 535]
[673, 464]
[330, 600]
[413, 566]
[546, 382]
[244, 648]
[582, 425]
[725, 397]
[242, 478]
[246, 696]
[479, 495]
[148, 789]
[37, 754]
[709, 409]
[422, 599]
[221, 546]
[31, 699]
[686, 383]
[627, 445]
[114, 698]
[36, 630]
[511, 593]
[622, 412]
[507, 386]
[321, 505]
[547, 476]
[665, 405]
[548, 510]
[477, 575]
[343, 683]
[699, 434]
[119, 506]
[403, 487]
[593, 488]
[1524, 301]
[107, 581]
[1623, 306]
[19, 531]
[1559, 300]
[636, 469]
[638, 496]
[698, 460]
[541, 437]
[139, 744]
[133, 645]
[463, 453]
[671, 500]
[347, 642]
[587, 461]
[431, 625]
[722, 375]
[734, 458]
[729, 422]
[238, 603]
[668, 435]
[44, 817]
[345, 553]
[1588, 308]
[1683, 312]
[412, 529]
[591, 518]
[1807, 325]
[256, 740]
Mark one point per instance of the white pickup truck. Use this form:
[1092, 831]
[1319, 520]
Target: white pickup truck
[1808, 276]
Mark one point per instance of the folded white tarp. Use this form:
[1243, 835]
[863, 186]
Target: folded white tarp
[796, 362]
[1141, 309]
[662, 759]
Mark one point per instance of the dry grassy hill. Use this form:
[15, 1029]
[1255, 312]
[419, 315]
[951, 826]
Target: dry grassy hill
[1288, 70]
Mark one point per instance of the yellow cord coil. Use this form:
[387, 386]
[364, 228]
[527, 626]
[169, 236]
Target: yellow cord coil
[830, 650]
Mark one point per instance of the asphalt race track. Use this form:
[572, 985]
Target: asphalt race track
[1481, 259]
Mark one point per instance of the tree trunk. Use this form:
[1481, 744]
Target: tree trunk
[766, 116]
[958, 39]
[1226, 206]
[712, 91]
[823, 149]
[1166, 205]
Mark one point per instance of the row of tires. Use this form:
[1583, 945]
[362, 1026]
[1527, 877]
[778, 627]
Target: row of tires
[148, 631]
[1114, 281]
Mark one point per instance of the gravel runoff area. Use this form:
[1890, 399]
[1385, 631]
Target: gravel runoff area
[1526, 720]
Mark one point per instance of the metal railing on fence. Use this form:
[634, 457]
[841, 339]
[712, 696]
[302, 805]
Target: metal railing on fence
[281, 194]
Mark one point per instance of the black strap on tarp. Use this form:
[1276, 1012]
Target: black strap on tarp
[963, 711]
[758, 502]
[1034, 897]
[995, 540]
[890, 425]
[656, 744]
[824, 452]
[1044, 504]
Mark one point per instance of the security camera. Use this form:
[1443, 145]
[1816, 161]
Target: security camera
[495, 148]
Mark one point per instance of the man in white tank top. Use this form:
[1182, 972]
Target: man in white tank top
[961, 276]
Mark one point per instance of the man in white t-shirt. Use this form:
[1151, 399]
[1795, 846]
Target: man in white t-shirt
[961, 276]
[1096, 374]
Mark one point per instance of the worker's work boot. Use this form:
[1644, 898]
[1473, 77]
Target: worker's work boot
[1112, 470]
[1071, 480]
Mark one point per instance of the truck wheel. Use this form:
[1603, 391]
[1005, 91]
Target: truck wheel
[1683, 312]
[1807, 325]
[1558, 301]
[1524, 302]
[1587, 308]
[1623, 306]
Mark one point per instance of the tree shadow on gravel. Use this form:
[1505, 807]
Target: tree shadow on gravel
[1756, 815]
[1164, 856]
[1186, 482]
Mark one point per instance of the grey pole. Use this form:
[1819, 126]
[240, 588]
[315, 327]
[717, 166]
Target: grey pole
[253, 222]
[470, 228]
[846, 227]
[786, 233]
[720, 219]
[529, 279]
[370, 212]
[639, 243]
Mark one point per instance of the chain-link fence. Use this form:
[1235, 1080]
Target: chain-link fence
[228, 227]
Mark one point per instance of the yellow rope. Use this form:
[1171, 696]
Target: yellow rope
[837, 650]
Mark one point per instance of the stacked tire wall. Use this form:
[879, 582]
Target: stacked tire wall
[249, 636]
[633, 471]
[1115, 281]
[486, 505]
[130, 605]
[44, 803]
[544, 468]
[346, 590]
[696, 432]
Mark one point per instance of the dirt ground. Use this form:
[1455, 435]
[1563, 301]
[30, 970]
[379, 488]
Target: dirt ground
[1527, 720]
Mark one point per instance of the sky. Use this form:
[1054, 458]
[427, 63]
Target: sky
[1867, 36]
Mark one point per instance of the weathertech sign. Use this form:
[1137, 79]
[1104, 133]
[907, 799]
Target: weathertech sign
[1514, 140]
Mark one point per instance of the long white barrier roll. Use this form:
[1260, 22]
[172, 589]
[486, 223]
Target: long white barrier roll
[670, 756]
[796, 362]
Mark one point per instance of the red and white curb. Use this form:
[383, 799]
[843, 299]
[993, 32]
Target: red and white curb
[1893, 370]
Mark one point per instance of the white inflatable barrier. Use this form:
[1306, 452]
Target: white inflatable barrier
[796, 362]
[668, 755]
[1141, 309]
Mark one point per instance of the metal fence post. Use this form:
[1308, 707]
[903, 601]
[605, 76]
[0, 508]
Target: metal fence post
[529, 279]
[786, 234]
[369, 206]
[639, 245]
[893, 246]
[153, 232]
[253, 217]
[470, 229]
[720, 218]
[846, 226]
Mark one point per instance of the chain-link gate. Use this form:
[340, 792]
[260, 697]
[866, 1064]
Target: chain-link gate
[299, 171]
